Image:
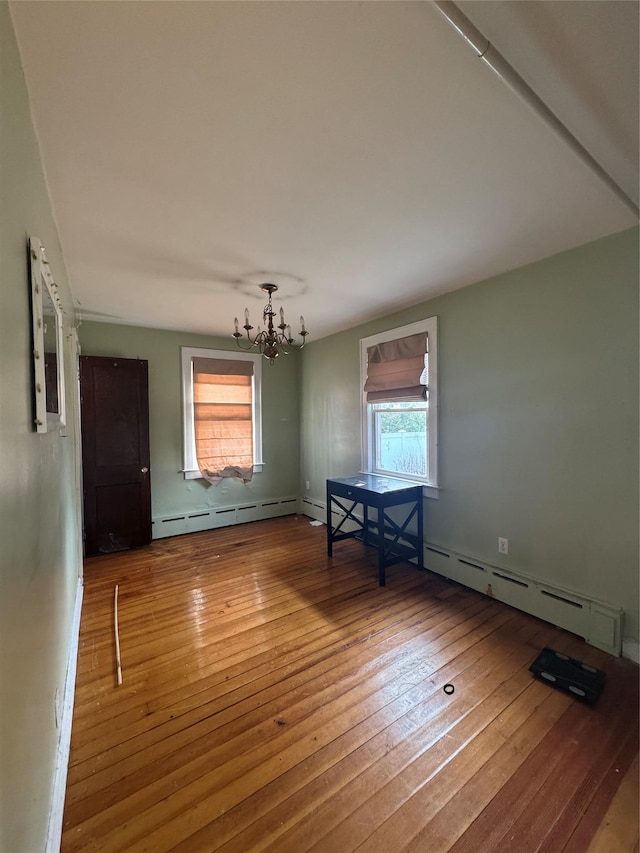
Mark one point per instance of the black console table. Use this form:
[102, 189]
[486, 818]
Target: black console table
[394, 542]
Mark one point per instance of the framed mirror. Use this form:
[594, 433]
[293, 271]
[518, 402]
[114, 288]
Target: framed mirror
[48, 349]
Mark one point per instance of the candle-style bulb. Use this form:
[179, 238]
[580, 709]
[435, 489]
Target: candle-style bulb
[236, 324]
[302, 323]
[282, 315]
[246, 316]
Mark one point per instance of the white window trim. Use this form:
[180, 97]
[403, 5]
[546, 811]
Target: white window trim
[431, 485]
[190, 469]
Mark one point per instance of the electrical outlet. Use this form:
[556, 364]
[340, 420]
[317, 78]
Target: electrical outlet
[503, 545]
[308, 486]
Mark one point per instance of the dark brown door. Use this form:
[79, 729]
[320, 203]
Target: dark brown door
[115, 453]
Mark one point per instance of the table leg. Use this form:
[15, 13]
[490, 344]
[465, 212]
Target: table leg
[381, 567]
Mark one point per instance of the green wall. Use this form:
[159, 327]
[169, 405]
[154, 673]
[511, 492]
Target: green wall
[538, 425]
[41, 557]
[170, 492]
[538, 441]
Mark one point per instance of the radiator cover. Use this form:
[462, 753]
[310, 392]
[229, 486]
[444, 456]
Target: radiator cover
[598, 622]
[221, 516]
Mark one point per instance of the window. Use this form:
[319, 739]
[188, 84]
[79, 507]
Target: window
[221, 414]
[398, 371]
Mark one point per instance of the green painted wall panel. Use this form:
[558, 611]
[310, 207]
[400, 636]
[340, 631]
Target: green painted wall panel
[538, 422]
[170, 492]
[41, 556]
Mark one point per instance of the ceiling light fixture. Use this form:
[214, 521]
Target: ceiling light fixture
[269, 341]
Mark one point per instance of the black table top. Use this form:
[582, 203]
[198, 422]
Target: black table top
[375, 483]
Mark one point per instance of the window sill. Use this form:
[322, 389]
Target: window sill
[196, 474]
[428, 489]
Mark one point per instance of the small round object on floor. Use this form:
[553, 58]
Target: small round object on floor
[448, 689]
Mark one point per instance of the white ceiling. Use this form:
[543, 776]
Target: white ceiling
[358, 154]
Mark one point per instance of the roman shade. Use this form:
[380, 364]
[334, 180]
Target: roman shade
[223, 421]
[396, 370]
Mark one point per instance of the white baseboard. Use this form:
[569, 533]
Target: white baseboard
[600, 623]
[54, 830]
[314, 508]
[631, 650]
[193, 521]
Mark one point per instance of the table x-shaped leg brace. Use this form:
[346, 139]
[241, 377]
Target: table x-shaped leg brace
[348, 515]
[385, 524]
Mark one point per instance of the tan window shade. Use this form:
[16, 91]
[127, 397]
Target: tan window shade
[223, 404]
[396, 370]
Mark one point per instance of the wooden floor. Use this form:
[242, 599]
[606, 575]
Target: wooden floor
[274, 699]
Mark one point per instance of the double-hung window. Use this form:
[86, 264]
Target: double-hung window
[399, 380]
[221, 414]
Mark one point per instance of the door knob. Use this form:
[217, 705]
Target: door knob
[144, 470]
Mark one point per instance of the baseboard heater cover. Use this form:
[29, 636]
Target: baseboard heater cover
[225, 516]
[598, 622]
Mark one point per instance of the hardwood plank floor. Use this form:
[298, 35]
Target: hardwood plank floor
[276, 700]
[615, 832]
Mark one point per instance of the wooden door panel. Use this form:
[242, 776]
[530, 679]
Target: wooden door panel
[118, 516]
[115, 453]
[117, 413]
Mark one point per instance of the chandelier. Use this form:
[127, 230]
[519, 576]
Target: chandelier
[270, 342]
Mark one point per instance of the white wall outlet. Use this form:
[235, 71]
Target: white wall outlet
[308, 486]
[503, 545]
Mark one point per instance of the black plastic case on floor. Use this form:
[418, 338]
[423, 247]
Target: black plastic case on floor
[568, 674]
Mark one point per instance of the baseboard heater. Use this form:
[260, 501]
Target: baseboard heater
[318, 510]
[598, 622]
[221, 516]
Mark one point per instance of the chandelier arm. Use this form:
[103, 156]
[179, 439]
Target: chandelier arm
[240, 346]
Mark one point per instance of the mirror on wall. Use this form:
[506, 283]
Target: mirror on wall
[48, 349]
